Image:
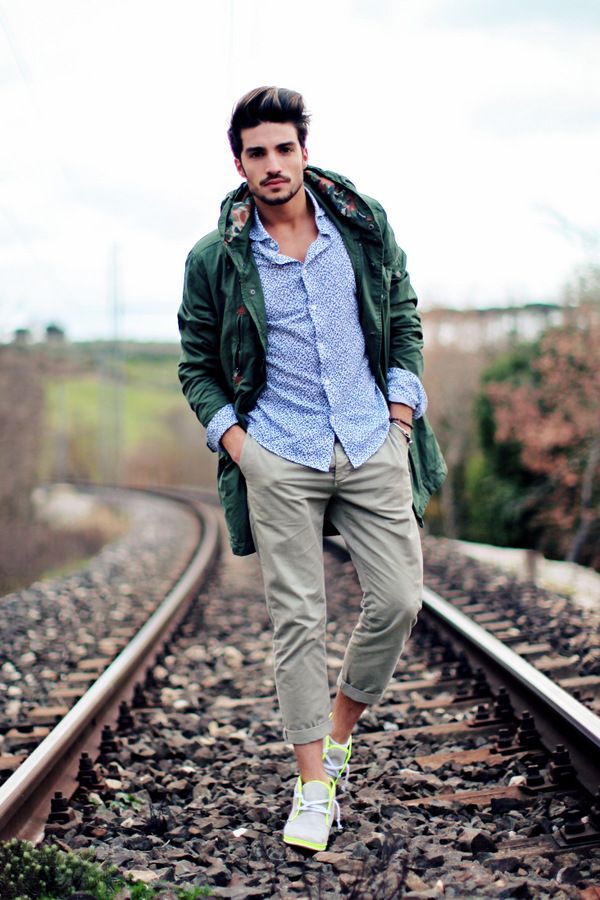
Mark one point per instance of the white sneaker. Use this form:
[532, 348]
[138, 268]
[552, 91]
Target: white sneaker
[310, 820]
[336, 758]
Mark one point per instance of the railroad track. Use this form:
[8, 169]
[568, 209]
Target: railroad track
[477, 776]
[50, 769]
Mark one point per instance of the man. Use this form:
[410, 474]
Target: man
[301, 355]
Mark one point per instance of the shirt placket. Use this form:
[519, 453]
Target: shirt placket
[321, 325]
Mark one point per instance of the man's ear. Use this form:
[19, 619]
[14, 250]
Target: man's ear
[304, 157]
[239, 167]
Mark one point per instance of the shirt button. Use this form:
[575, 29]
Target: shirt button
[313, 306]
[326, 381]
[321, 345]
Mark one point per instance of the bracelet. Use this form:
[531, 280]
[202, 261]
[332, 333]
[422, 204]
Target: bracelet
[402, 422]
[405, 433]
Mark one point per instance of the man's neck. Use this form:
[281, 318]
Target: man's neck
[290, 215]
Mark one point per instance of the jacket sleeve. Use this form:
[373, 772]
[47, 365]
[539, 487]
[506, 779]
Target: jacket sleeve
[406, 335]
[200, 372]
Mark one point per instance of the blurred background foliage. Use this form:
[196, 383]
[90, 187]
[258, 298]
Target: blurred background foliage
[515, 408]
[88, 412]
[519, 422]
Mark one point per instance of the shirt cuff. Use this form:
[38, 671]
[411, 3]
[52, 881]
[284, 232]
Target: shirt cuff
[218, 425]
[405, 387]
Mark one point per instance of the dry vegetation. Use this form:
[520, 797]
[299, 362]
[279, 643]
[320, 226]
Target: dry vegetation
[58, 422]
[518, 425]
[27, 547]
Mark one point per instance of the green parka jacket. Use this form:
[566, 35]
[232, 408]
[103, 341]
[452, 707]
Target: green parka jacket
[222, 322]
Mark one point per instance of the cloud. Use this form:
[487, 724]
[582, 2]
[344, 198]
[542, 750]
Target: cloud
[575, 14]
[573, 232]
[150, 210]
[542, 114]
[466, 115]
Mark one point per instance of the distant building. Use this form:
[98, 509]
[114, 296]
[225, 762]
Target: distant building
[55, 334]
[22, 337]
[474, 329]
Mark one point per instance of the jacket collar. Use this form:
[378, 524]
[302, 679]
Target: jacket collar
[337, 194]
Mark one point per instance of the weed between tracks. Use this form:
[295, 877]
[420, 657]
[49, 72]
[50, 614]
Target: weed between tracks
[27, 873]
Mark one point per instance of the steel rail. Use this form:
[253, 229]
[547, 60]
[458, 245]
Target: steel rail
[570, 710]
[37, 767]
[566, 716]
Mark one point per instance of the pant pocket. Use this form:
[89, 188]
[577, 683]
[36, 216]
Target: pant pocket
[244, 453]
[399, 441]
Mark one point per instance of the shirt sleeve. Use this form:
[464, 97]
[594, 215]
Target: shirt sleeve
[405, 387]
[218, 425]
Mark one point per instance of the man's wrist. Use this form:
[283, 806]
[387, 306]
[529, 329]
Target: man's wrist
[398, 421]
[230, 434]
[402, 411]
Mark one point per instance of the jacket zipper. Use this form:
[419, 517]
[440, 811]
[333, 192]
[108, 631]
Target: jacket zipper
[237, 372]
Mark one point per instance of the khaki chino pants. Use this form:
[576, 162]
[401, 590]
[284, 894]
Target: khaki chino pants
[371, 506]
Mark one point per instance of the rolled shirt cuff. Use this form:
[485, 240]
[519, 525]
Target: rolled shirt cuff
[405, 387]
[218, 425]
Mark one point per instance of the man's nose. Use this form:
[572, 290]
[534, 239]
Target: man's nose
[273, 164]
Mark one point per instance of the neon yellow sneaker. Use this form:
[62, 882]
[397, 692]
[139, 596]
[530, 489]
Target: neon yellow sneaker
[336, 758]
[310, 820]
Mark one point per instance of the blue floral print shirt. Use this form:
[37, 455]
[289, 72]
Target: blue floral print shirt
[319, 384]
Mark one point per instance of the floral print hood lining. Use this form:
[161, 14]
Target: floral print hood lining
[238, 205]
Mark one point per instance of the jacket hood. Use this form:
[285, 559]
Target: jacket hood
[337, 193]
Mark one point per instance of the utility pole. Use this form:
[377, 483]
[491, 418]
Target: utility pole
[117, 368]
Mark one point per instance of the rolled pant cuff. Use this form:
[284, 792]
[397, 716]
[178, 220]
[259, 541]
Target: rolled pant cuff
[359, 696]
[306, 735]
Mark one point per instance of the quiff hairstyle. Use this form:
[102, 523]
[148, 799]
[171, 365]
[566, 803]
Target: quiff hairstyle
[267, 104]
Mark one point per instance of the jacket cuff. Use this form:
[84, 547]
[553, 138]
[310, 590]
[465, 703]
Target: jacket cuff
[218, 425]
[405, 387]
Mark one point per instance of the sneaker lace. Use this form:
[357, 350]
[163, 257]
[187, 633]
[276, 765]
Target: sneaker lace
[320, 806]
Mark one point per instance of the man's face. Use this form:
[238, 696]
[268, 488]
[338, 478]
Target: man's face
[272, 162]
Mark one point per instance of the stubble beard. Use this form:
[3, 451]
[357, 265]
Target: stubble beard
[279, 199]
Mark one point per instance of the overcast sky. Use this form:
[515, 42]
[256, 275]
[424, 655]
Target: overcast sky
[475, 122]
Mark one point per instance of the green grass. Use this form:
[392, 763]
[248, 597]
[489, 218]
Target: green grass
[47, 873]
[65, 569]
[88, 403]
[82, 410]
[158, 440]
[161, 373]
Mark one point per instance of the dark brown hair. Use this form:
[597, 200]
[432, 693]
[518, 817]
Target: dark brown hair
[267, 104]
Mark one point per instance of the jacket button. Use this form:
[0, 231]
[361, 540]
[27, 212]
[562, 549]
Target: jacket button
[371, 227]
[252, 291]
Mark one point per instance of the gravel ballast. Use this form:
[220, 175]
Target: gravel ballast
[48, 628]
[199, 789]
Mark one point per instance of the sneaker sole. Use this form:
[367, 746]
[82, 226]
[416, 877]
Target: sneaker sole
[308, 844]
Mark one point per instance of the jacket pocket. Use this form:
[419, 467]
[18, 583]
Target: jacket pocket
[232, 494]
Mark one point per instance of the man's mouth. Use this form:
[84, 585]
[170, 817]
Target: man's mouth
[275, 181]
